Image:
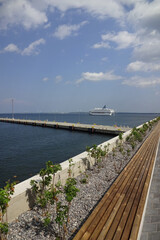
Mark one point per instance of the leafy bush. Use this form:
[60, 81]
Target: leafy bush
[47, 193]
[5, 196]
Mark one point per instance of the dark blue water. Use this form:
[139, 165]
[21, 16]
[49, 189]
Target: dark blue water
[25, 149]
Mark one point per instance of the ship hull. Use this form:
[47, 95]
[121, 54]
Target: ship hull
[100, 113]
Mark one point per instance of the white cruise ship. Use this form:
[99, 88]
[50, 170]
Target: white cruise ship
[101, 111]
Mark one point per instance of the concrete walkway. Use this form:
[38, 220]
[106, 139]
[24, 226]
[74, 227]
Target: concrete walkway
[91, 128]
[151, 226]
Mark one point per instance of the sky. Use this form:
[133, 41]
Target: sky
[74, 55]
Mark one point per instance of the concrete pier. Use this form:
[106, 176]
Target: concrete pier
[91, 128]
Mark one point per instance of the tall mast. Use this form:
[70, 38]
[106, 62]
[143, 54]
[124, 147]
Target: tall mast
[12, 108]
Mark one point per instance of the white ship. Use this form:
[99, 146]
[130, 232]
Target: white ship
[101, 111]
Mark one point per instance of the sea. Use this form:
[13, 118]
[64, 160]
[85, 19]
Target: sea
[24, 149]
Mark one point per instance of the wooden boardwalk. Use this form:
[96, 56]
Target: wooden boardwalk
[118, 215]
[91, 128]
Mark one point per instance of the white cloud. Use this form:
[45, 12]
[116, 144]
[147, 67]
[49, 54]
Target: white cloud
[138, 81]
[101, 8]
[101, 45]
[32, 48]
[149, 49]
[65, 30]
[145, 18]
[145, 14]
[142, 17]
[11, 48]
[143, 67]
[96, 77]
[21, 12]
[33, 13]
[123, 39]
[45, 79]
[58, 79]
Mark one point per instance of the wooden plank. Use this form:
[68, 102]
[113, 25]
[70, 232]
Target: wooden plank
[124, 196]
[127, 183]
[137, 220]
[122, 209]
[131, 217]
[109, 204]
[105, 216]
[112, 191]
[133, 199]
[110, 219]
[129, 168]
[130, 187]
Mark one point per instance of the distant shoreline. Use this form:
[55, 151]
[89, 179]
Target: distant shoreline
[78, 113]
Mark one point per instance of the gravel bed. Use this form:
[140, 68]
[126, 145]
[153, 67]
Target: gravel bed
[29, 224]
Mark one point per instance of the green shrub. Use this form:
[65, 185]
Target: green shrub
[5, 196]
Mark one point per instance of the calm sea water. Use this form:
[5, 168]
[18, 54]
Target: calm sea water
[25, 149]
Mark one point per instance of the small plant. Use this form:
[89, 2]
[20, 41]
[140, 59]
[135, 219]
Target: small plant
[79, 167]
[133, 144]
[128, 138]
[61, 219]
[120, 136]
[121, 149]
[84, 178]
[123, 153]
[106, 148]
[93, 151]
[46, 193]
[70, 189]
[54, 168]
[70, 167]
[128, 152]
[137, 134]
[62, 211]
[5, 196]
[113, 152]
[150, 124]
[145, 127]
[97, 153]
[83, 181]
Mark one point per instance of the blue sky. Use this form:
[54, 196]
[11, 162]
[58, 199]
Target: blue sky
[74, 55]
